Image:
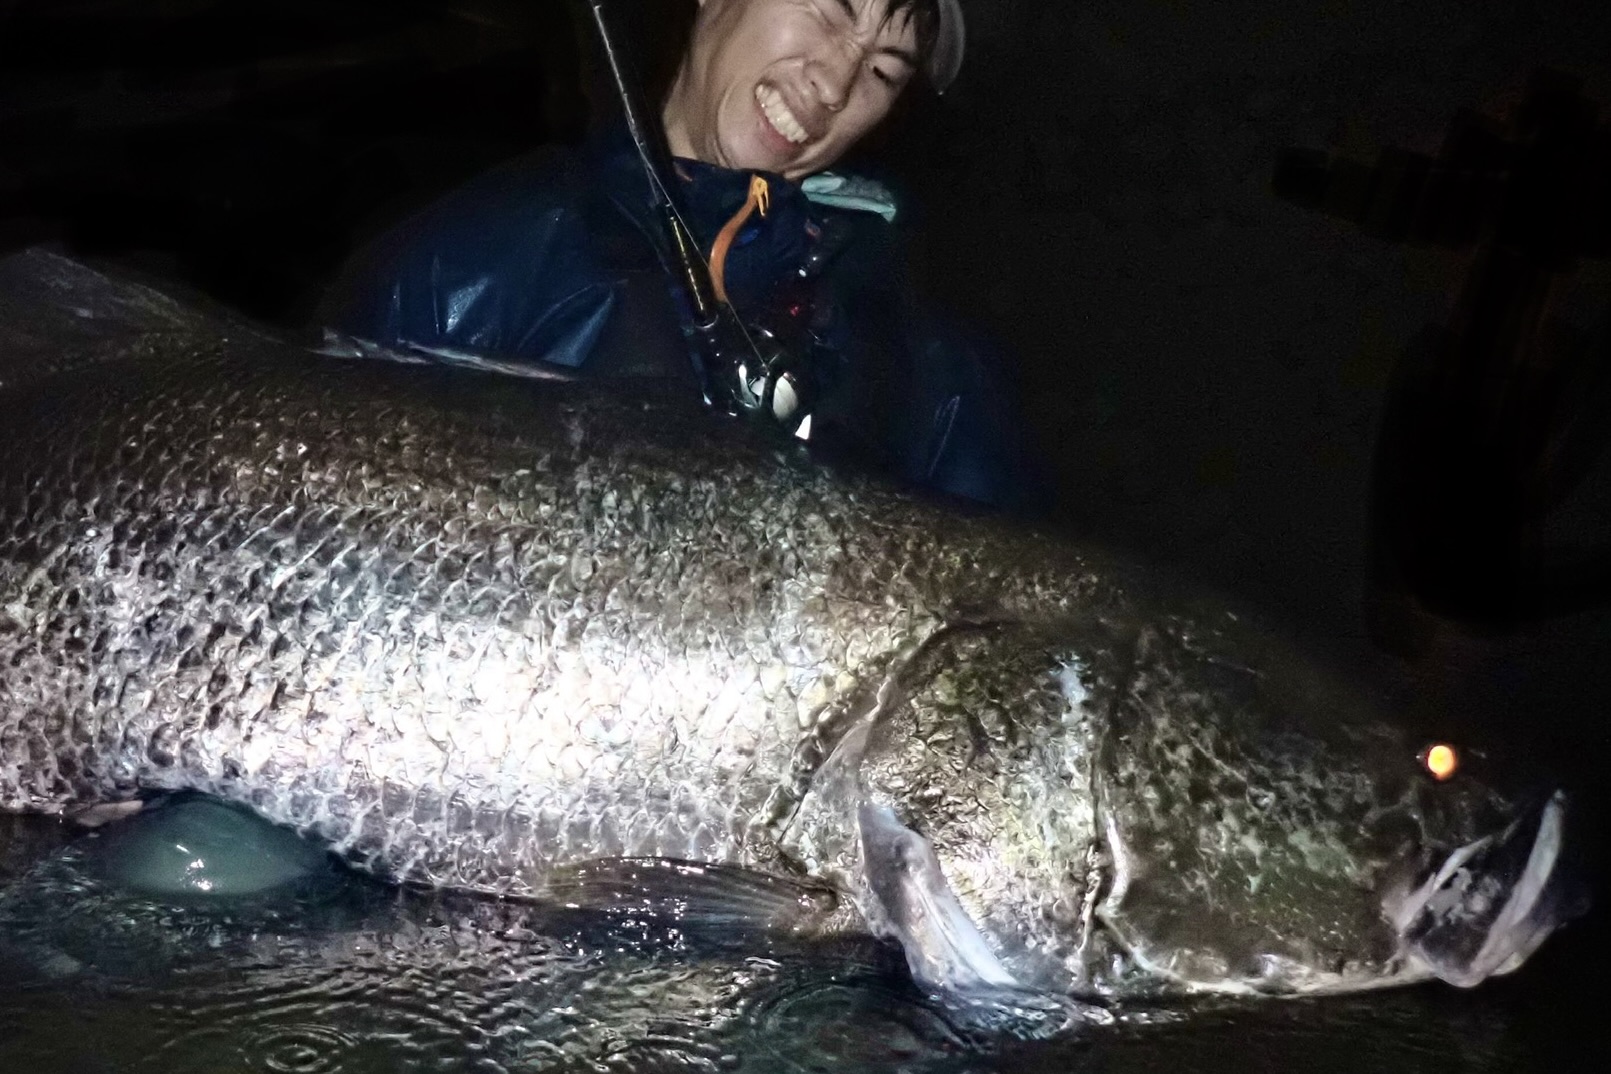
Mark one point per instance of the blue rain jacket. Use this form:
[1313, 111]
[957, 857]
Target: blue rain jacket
[555, 258]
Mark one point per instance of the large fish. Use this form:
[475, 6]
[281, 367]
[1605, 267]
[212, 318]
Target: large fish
[551, 642]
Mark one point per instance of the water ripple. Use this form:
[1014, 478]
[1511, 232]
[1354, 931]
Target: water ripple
[856, 1021]
[300, 1049]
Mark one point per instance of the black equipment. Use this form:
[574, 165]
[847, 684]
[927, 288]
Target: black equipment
[744, 369]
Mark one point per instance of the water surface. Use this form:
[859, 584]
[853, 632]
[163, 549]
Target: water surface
[338, 973]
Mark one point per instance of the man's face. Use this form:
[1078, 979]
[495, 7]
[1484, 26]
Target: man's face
[787, 85]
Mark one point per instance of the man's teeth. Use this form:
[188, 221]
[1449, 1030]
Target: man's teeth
[778, 114]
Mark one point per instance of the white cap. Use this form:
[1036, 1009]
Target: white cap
[945, 60]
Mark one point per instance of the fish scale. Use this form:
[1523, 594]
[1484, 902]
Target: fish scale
[512, 636]
[217, 478]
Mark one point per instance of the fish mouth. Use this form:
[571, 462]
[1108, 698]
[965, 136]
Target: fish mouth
[1490, 903]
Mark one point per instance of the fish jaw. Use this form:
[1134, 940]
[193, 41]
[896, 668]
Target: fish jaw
[1491, 902]
[1479, 913]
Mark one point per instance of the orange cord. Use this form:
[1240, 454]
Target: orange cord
[760, 197]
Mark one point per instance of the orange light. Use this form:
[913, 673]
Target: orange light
[1441, 761]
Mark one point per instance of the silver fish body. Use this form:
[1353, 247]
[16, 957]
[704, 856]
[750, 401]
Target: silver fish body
[495, 635]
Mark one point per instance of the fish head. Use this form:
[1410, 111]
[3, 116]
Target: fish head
[1269, 831]
[1101, 809]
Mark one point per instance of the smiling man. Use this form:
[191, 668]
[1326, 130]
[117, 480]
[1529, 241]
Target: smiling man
[554, 259]
[788, 86]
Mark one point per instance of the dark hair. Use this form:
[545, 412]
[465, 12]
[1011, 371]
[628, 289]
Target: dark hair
[924, 16]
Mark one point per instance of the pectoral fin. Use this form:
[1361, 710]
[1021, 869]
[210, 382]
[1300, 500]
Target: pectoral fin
[916, 906]
[693, 893]
[100, 813]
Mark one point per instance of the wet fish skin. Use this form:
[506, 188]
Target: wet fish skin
[397, 605]
[475, 632]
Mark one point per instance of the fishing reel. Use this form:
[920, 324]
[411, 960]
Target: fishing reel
[764, 370]
[768, 369]
[770, 383]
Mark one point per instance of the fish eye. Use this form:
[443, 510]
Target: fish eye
[1440, 760]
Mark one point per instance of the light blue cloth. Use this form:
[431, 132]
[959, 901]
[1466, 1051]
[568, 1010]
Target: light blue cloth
[850, 192]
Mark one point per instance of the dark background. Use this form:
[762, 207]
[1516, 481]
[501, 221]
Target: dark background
[1209, 363]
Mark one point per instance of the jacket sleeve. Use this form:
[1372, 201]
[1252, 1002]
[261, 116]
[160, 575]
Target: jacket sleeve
[509, 264]
[969, 436]
[920, 394]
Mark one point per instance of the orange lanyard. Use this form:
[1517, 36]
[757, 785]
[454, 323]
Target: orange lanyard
[760, 198]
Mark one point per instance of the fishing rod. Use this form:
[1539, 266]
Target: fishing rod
[743, 369]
